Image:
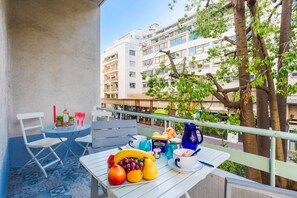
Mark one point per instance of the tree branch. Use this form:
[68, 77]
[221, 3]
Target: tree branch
[175, 72]
[274, 9]
[226, 38]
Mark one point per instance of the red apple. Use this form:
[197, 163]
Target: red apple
[116, 175]
[110, 161]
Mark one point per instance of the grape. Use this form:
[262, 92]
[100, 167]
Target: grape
[132, 164]
[125, 166]
[132, 167]
[136, 166]
[128, 170]
[128, 166]
[121, 163]
[126, 160]
[140, 164]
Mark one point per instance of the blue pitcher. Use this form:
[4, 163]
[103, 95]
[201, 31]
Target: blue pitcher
[190, 138]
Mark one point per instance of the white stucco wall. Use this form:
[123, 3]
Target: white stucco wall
[4, 58]
[54, 57]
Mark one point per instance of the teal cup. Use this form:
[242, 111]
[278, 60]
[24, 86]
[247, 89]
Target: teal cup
[145, 145]
[170, 147]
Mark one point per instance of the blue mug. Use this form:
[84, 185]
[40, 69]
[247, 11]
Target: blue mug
[145, 145]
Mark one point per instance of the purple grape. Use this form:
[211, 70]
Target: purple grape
[124, 166]
[121, 163]
[132, 168]
[140, 164]
[136, 166]
[132, 164]
[128, 166]
[127, 170]
[126, 160]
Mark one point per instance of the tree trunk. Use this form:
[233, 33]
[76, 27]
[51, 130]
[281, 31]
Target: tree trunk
[285, 30]
[286, 18]
[246, 113]
[261, 98]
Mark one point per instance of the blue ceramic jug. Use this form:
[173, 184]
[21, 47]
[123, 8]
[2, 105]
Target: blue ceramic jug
[190, 138]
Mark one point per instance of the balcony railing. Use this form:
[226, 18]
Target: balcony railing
[270, 165]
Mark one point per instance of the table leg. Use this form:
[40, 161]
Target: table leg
[71, 140]
[187, 195]
[94, 188]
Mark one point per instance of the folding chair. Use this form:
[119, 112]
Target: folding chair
[43, 144]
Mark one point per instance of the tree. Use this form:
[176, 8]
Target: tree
[263, 42]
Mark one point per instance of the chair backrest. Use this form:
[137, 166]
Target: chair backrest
[242, 188]
[113, 133]
[100, 114]
[30, 116]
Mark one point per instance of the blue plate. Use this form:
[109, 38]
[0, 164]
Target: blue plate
[195, 168]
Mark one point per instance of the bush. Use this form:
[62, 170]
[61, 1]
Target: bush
[294, 156]
[233, 167]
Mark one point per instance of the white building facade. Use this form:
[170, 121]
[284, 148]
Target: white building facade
[120, 72]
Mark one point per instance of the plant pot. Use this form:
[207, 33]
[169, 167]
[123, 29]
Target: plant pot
[71, 122]
[59, 123]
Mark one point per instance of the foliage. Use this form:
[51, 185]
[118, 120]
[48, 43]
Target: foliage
[233, 167]
[294, 156]
[212, 22]
[59, 117]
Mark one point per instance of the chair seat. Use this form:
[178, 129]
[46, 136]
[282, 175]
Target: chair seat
[85, 139]
[46, 142]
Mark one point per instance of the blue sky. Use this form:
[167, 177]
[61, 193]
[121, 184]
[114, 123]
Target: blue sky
[119, 17]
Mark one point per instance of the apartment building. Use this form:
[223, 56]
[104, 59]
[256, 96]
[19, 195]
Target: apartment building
[120, 71]
[182, 44]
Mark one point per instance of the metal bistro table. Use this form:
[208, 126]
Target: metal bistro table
[73, 130]
[169, 183]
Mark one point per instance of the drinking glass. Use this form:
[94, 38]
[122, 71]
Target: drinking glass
[82, 117]
[170, 147]
[77, 116]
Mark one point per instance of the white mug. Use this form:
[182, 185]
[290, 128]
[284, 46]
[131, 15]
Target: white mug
[184, 162]
[134, 143]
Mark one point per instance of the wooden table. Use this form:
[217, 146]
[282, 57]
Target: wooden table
[169, 183]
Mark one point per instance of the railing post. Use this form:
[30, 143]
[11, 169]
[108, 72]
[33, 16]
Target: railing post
[272, 161]
[120, 116]
[165, 125]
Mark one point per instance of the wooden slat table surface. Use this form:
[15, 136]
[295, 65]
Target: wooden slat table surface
[169, 183]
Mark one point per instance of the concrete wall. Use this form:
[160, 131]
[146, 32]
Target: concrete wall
[4, 68]
[55, 57]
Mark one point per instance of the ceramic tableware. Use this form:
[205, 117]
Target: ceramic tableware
[183, 159]
[134, 142]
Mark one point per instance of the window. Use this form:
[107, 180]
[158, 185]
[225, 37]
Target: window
[192, 51]
[147, 51]
[132, 52]
[178, 41]
[132, 63]
[132, 74]
[132, 85]
[144, 85]
[148, 62]
[192, 36]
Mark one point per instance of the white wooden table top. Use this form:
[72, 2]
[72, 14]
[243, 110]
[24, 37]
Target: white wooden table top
[169, 183]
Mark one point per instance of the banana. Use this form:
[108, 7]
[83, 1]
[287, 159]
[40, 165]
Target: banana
[132, 153]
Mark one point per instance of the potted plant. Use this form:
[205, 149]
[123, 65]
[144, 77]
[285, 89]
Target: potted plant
[59, 121]
[71, 120]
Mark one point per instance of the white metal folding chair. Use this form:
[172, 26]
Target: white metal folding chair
[86, 141]
[43, 144]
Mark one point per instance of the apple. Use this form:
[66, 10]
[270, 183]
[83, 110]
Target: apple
[116, 175]
[110, 161]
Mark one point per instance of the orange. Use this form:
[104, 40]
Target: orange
[134, 176]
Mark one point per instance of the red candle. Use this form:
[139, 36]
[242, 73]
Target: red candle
[55, 113]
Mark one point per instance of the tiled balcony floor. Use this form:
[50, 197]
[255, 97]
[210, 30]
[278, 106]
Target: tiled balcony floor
[67, 181]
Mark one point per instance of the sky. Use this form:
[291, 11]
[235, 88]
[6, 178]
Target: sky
[118, 17]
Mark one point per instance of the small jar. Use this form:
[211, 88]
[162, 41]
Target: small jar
[157, 153]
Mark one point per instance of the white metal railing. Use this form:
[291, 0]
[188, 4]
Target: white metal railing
[270, 165]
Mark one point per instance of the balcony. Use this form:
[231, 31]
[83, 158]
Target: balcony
[46, 59]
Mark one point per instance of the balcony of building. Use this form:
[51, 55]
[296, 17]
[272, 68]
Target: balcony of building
[109, 68]
[49, 55]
